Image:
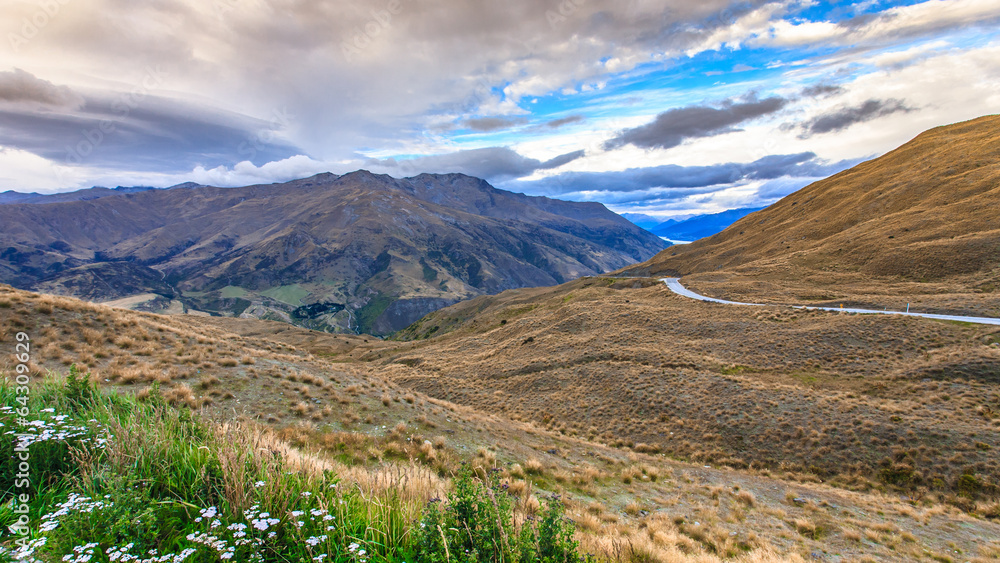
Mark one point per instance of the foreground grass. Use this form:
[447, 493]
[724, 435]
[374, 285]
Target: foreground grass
[117, 479]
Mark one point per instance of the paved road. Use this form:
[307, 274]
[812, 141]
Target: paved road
[675, 285]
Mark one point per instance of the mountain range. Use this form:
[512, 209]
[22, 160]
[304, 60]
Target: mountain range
[96, 192]
[359, 252]
[700, 226]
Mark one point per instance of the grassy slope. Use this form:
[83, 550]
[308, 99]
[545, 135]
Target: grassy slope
[203, 492]
[193, 480]
[628, 505]
[853, 399]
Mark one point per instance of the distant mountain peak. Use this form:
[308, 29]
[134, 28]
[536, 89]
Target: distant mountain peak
[186, 186]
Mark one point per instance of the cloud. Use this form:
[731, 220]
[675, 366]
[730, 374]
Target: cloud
[847, 116]
[246, 173]
[557, 123]
[822, 90]
[900, 59]
[735, 28]
[492, 163]
[682, 180]
[487, 124]
[427, 62]
[673, 127]
[131, 130]
[900, 22]
[20, 87]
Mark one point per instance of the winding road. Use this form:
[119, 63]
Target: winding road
[675, 285]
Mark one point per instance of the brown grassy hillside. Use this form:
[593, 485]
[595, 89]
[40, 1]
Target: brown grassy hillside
[865, 401]
[925, 213]
[335, 398]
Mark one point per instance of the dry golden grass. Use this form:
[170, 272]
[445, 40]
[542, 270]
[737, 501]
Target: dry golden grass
[652, 518]
[534, 467]
[858, 400]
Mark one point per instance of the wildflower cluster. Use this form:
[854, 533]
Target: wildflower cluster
[74, 504]
[247, 539]
[153, 556]
[24, 554]
[54, 428]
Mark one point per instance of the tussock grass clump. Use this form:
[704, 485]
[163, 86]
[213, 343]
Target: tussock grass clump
[534, 467]
[747, 498]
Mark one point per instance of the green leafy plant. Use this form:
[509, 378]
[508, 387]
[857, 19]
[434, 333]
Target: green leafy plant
[477, 524]
[79, 390]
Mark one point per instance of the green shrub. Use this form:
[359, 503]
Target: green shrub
[476, 524]
[898, 474]
[968, 485]
[79, 390]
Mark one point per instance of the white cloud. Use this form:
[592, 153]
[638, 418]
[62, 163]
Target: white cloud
[26, 172]
[744, 28]
[906, 56]
[246, 173]
[787, 34]
[917, 19]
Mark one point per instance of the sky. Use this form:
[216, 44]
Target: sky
[657, 107]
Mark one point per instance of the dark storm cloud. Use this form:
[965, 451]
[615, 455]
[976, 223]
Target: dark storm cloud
[849, 115]
[686, 180]
[673, 127]
[131, 130]
[487, 124]
[492, 163]
[18, 86]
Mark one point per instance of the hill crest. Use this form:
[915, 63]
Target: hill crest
[924, 211]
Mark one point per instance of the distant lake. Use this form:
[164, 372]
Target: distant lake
[672, 241]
